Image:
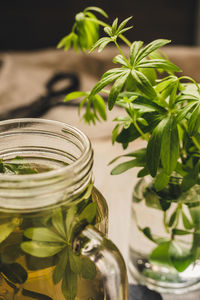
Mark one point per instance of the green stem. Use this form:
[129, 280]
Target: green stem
[118, 47]
[103, 24]
[143, 135]
[165, 221]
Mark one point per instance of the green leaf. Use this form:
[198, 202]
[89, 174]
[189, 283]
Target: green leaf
[58, 223]
[154, 148]
[88, 268]
[75, 262]
[97, 9]
[114, 25]
[176, 231]
[151, 47]
[70, 217]
[59, 271]
[195, 213]
[159, 64]
[170, 146]
[152, 199]
[43, 234]
[134, 50]
[101, 43]
[160, 255]
[41, 249]
[69, 284]
[7, 228]
[188, 181]
[105, 80]
[65, 42]
[147, 232]
[143, 84]
[119, 59]
[89, 213]
[173, 218]
[108, 31]
[99, 104]
[180, 257]
[75, 95]
[186, 222]
[185, 111]
[124, 167]
[123, 24]
[194, 121]
[116, 89]
[14, 273]
[161, 181]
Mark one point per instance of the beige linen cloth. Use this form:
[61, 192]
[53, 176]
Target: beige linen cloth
[23, 76]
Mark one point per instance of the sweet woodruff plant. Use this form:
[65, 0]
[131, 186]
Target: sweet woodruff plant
[162, 107]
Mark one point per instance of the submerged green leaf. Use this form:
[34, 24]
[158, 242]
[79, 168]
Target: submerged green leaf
[41, 249]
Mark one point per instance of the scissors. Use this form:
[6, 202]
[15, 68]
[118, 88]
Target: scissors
[52, 98]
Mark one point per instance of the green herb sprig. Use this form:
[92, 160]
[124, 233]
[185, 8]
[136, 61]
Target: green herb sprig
[163, 108]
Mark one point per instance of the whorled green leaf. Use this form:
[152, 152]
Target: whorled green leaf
[87, 30]
[161, 180]
[106, 79]
[69, 284]
[89, 213]
[119, 59]
[100, 106]
[96, 9]
[194, 121]
[147, 232]
[176, 231]
[169, 146]
[101, 44]
[139, 154]
[160, 255]
[186, 222]
[88, 268]
[60, 269]
[121, 168]
[123, 24]
[143, 84]
[151, 47]
[42, 249]
[75, 95]
[14, 272]
[195, 213]
[154, 147]
[173, 218]
[7, 228]
[134, 50]
[43, 234]
[116, 89]
[159, 64]
[183, 112]
[58, 223]
[152, 199]
[180, 257]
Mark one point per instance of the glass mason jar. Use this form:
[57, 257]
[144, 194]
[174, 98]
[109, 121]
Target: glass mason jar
[165, 236]
[53, 221]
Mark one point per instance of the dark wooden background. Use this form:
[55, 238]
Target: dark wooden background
[34, 24]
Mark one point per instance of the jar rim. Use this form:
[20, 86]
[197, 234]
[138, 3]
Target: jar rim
[55, 172]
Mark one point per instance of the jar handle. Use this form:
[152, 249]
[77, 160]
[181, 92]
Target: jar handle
[108, 260]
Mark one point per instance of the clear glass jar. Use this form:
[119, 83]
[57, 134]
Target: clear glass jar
[53, 221]
[165, 236]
